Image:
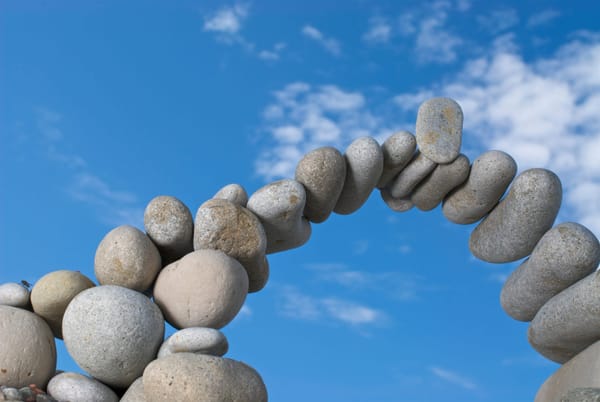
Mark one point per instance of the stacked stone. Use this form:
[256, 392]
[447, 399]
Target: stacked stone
[195, 273]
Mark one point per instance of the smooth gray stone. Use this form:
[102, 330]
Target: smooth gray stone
[14, 295]
[413, 174]
[514, 227]
[11, 393]
[279, 207]
[322, 172]
[208, 341]
[444, 178]
[488, 179]
[169, 224]
[234, 193]
[569, 322]
[396, 204]
[582, 395]
[112, 333]
[439, 129]
[579, 372]
[77, 387]
[397, 150]
[364, 164]
[566, 254]
[135, 392]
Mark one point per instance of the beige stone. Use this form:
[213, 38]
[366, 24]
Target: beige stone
[135, 392]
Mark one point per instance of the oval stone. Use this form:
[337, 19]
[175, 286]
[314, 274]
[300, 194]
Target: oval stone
[202, 340]
[322, 172]
[188, 377]
[14, 295]
[234, 193]
[413, 174]
[206, 288]
[27, 349]
[566, 254]
[112, 333]
[76, 387]
[439, 129]
[364, 164]
[396, 204]
[398, 150]
[135, 392]
[127, 257]
[488, 179]
[52, 294]
[514, 227]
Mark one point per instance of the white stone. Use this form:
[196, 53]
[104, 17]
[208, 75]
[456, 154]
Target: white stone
[76, 387]
[202, 340]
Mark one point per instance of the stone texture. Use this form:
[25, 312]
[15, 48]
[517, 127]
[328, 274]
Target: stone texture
[488, 179]
[582, 395]
[206, 288]
[135, 392]
[202, 340]
[27, 348]
[52, 294]
[439, 129]
[233, 193]
[413, 174]
[364, 164]
[77, 387]
[566, 254]
[396, 204]
[169, 224]
[14, 295]
[322, 172]
[223, 225]
[187, 377]
[569, 322]
[127, 257]
[398, 150]
[112, 333]
[514, 227]
[444, 178]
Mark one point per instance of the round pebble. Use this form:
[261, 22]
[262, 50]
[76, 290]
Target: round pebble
[206, 288]
[233, 193]
[322, 172]
[188, 377]
[413, 174]
[14, 295]
[514, 227]
[127, 257]
[206, 341]
[135, 392]
[112, 333]
[582, 395]
[52, 294]
[439, 129]
[76, 387]
[398, 150]
[27, 348]
[396, 204]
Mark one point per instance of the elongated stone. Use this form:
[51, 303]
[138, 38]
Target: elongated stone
[208, 341]
[77, 387]
[430, 193]
[397, 150]
[14, 295]
[322, 172]
[234, 193]
[439, 129]
[364, 164]
[569, 322]
[514, 227]
[413, 174]
[396, 204]
[488, 179]
[564, 255]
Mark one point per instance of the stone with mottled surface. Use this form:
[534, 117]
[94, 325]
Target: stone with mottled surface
[413, 174]
[234, 193]
[77, 387]
[14, 295]
[439, 129]
[398, 150]
[135, 392]
[396, 204]
[203, 340]
[582, 395]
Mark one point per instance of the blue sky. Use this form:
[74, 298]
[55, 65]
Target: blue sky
[108, 104]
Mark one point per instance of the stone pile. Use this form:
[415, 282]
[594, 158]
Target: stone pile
[196, 273]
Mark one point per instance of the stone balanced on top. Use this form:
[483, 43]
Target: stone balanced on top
[197, 273]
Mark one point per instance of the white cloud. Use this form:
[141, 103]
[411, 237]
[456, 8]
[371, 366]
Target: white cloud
[330, 44]
[454, 378]
[498, 21]
[379, 31]
[352, 313]
[542, 18]
[227, 20]
[274, 54]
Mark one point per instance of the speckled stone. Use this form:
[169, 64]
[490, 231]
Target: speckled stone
[234, 193]
[206, 288]
[52, 294]
[514, 227]
[127, 257]
[112, 333]
[488, 179]
[27, 348]
[188, 377]
[413, 174]
[444, 178]
[135, 392]
[582, 395]
[439, 129]
[223, 225]
[14, 295]
[76, 387]
[169, 224]
[364, 164]
[322, 172]
[396, 204]
[279, 207]
[398, 150]
[207, 341]
[566, 254]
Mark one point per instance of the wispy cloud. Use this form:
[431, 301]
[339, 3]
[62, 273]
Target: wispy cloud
[454, 378]
[380, 31]
[497, 21]
[330, 44]
[273, 54]
[542, 18]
